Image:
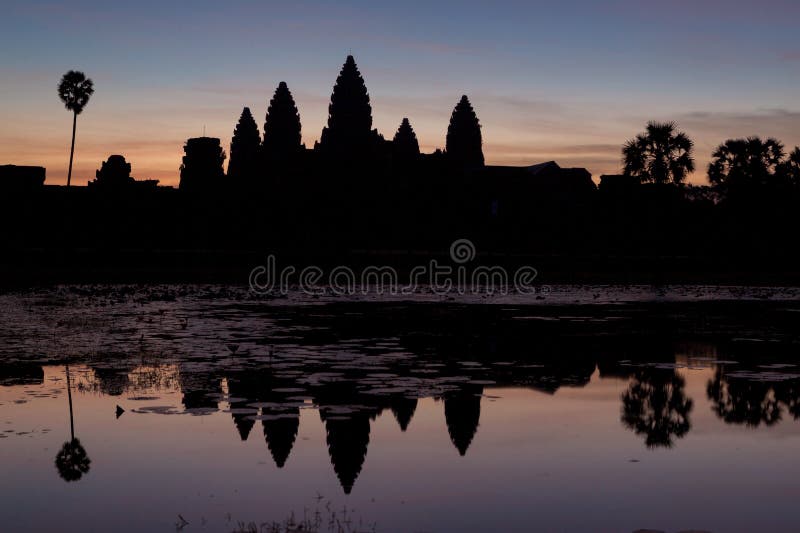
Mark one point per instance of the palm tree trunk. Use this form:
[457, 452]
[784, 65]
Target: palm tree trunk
[72, 149]
[69, 395]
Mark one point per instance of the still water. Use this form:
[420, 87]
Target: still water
[667, 411]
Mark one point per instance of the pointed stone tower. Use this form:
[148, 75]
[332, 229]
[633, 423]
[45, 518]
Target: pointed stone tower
[405, 145]
[349, 131]
[464, 144]
[245, 149]
[282, 138]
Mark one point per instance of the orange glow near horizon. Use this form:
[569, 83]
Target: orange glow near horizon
[150, 133]
[159, 157]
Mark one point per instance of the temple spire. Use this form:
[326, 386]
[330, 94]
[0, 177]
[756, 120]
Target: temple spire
[464, 143]
[405, 144]
[349, 130]
[245, 147]
[282, 130]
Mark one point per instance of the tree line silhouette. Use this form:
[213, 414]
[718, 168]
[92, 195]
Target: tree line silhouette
[355, 191]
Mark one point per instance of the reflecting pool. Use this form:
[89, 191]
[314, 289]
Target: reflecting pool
[204, 408]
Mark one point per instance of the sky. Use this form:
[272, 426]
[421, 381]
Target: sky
[568, 81]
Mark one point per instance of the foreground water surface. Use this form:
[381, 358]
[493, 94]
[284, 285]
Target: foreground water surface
[666, 408]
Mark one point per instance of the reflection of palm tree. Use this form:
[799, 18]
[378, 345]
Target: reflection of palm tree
[655, 405]
[743, 401]
[789, 394]
[72, 461]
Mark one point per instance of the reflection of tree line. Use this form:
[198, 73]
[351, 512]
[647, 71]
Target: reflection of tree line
[654, 405]
[739, 399]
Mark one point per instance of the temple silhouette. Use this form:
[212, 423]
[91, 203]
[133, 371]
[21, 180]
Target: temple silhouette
[358, 196]
[349, 147]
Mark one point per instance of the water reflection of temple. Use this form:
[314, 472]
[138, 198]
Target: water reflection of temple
[462, 413]
[403, 409]
[14, 374]
[347, 405]
[347, 438]
[278, 412]
[355, 366]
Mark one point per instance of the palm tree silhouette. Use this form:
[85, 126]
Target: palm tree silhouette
[790, 168]
[659, 155]
[75, 89]
[72, 462]
[745, 162]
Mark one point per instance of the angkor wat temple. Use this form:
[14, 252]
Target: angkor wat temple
[348, 145]
[356, 196]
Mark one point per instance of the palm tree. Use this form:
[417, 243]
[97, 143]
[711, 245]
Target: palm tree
[659, 155]
[75, 89]
[750, 161]
[790, 168]
[72, 462]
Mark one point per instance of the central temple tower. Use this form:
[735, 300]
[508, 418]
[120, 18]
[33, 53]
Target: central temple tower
[349, 132]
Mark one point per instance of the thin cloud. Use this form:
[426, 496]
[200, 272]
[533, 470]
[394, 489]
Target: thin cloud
[791, 56]
[780, 123]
